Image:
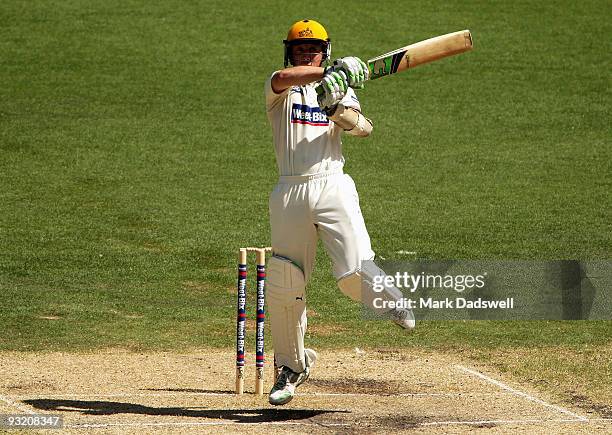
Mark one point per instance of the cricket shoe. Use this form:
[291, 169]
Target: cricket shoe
[404, 318]
[287, 381]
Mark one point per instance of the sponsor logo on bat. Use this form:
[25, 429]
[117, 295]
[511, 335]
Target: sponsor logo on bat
[386, 65]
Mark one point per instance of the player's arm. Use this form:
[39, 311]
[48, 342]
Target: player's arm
[296, 76]
[351, 120]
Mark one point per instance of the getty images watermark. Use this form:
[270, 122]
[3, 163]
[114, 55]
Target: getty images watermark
[405, 281]
[490, 290]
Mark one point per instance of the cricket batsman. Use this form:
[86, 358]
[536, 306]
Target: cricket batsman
[314, 198]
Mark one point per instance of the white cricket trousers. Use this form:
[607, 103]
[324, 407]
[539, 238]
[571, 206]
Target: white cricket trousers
[325, 205]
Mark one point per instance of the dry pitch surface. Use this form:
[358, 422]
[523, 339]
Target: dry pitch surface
[349, 392]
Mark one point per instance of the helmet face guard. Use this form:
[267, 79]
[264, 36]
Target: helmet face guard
[325, 46]
[306, 32]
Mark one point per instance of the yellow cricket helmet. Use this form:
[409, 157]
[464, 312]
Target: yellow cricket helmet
[304, 32]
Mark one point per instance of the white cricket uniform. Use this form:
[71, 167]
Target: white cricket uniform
[313, 197]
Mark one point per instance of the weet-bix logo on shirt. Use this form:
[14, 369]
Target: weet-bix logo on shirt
[302, 114]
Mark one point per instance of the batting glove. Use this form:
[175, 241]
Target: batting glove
[354, 68]
[332, 90]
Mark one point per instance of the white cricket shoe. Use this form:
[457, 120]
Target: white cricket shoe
[287, 381]
[404, 318]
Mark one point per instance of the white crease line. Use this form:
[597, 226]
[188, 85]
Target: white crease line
[305, 393]
[16, 405]
[77, 395]
[399, 394]
[525, 421]
[324, 424]
[521, 393]
[200, 423]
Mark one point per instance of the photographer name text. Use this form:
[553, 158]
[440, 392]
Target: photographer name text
[446, 303]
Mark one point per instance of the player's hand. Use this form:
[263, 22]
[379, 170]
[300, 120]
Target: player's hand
[331, 90]
[354, 68]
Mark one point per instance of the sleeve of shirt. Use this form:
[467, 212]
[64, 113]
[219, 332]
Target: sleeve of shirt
[272, 98]
[350, 100]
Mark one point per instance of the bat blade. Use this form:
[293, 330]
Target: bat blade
[420, 53]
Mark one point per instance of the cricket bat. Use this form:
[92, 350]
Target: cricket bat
[420, 53]
[417, 54]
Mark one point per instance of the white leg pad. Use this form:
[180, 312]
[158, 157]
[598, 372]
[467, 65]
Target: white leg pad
[285, 295]
[359, 286]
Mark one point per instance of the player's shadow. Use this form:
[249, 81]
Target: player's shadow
[189, 390]
[100, 407]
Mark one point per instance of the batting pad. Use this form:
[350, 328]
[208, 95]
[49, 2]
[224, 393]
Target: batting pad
[359, 286]
[287, 312]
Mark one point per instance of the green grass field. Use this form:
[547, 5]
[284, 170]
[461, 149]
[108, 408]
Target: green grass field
[135, 157]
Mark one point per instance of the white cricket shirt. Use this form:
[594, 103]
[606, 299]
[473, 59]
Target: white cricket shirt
[305, 141]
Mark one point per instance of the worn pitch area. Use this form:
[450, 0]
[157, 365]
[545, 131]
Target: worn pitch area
[349, 391]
